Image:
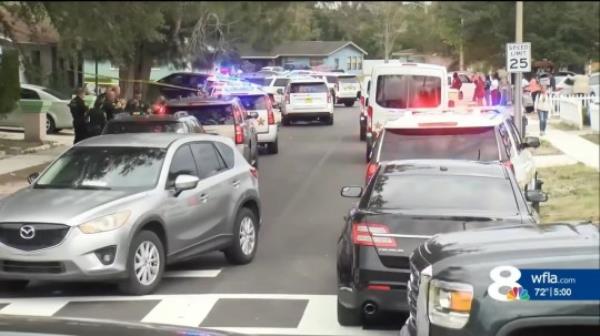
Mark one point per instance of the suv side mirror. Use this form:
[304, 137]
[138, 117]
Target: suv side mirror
[536, 196]
[280, 91]
[351, 191]
[531, 142]
[185, 182]
[252, 115]
[31, 178]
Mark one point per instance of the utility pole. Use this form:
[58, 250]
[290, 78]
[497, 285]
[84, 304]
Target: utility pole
[386, 38]
[461, 52]
[518, 95]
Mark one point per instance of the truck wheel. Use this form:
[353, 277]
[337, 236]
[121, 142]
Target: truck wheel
[50, 125]
[348, 317]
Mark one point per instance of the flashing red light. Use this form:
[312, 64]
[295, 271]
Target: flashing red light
[371, 169]
[381, 288]
[270, 114]
[362, 235]
[239, 135]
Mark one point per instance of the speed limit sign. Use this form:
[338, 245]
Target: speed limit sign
[518, 57]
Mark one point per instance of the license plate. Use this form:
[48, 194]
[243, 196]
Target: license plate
[308, 100]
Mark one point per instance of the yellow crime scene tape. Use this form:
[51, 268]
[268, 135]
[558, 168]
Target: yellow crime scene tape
[140, 81]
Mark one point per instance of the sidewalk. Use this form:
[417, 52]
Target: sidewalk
[575, 148]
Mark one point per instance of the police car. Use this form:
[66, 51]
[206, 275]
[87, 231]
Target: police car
[256, 100]
[474, 134]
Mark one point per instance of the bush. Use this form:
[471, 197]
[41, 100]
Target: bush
[9, 85]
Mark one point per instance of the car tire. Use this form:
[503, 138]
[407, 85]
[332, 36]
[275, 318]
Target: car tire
[348, 317]
[349, 104]
[13, 285]
[329, 121]
[133, 285]
[285, 121]
[50, 125]
[273, 147]
[245, 232]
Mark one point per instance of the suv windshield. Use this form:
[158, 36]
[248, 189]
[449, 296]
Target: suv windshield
[104, 168]
[281, 82]
[418, 192]
[408, 91]
[474, 143]
[348, 79]
[257, 102]
[209, 114]
[308, 88]
[145, 127]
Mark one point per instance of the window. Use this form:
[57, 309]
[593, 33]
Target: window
[308, 88]
[257, 102]
[354, 62]
[473, 143]
[515, 134]
[226, 153]
[316, 61]
[422, 192]
[208, 114]
[29, 94]
[349, 65]
[57, 94]
[182, 163]
[332, 79]
[207, 158]
[348, 79]
[281, 82]
[506, 144]
[117, 127]
[408, 91]
[360, 63]
[337, 63]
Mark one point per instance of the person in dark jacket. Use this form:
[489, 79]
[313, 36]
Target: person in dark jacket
[137, 106]
[78, 112]
[109, 106]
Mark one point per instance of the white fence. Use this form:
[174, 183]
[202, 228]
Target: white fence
[569, 108]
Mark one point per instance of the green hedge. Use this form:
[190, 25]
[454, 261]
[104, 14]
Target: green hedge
[9, 83]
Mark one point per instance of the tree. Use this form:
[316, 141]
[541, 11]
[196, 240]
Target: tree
[9, 85]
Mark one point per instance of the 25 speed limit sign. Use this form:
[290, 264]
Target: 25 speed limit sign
[518, 57]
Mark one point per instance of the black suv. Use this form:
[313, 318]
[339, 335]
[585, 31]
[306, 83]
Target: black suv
[406, 203]
[179, 123]
[488, 282]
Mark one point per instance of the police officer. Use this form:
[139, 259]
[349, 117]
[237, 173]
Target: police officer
[79, 111]
[109, 106]
[137, 106]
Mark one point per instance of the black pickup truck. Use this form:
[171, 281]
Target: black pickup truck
[469, 283]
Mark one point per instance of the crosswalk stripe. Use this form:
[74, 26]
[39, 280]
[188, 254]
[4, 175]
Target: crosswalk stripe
[34, 306]
[181, 310]
[193, 274]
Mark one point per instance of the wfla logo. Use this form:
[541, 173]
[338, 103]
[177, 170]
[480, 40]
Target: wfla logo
[505, 286]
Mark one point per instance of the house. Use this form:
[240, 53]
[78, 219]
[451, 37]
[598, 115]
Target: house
[38, 43]
[325, 55]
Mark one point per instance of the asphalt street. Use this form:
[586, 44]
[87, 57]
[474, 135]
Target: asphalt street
[289, 289]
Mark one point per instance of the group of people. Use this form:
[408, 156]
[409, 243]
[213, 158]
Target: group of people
[89, 122]
[490, 90]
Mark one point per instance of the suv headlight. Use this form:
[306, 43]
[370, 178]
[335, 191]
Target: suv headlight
[105, 223]
[449, 303]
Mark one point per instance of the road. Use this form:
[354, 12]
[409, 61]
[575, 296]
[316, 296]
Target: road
[289, 289]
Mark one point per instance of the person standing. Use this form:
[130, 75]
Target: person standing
[109, 105]
[543, 107]
[479, 93]
[136, 106]
[495, 89]
[504, 90]
[456, 83]
[534, 87]
[78, 112]
[488, 83]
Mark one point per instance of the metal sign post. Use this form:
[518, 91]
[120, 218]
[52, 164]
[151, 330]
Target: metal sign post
[518, 60]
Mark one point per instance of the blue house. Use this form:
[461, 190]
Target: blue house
[325, 55]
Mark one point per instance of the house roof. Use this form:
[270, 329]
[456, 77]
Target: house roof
[41, 33]
[297, 48]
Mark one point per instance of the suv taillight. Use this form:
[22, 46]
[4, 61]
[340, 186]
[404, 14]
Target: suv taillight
[362, 101]
[239, 135]
[371, 169]
[362, 235]
[270, 115]
[509, 164]
[370, 115]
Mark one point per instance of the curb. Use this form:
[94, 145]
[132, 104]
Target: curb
[32, 150]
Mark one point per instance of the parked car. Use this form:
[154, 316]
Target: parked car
[58, 115]
[120, 207]
[467, 89]
[258, 101]
[178, 123]
[182, 84]
[456, 279]
[345, 88]
[225, 116]
[478, 134]
[16, 325]
[275, 88]
[404, 204]
[307, 98]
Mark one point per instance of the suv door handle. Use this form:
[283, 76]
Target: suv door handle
[203, 198]
[236, 184]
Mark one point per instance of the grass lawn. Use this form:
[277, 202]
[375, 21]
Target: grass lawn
[563, 126]
[594, 137]
[573, 193]
[546, 148]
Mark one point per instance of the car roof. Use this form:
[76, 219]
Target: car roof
[449, 118]
[444, 167]
[408, 64]
[307, 80]
[187, 101]
[151, 117]
[154, 140]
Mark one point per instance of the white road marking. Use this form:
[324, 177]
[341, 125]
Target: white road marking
[319, 317]
[193, 274]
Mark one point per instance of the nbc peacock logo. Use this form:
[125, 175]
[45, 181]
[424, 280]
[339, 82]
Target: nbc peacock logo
[517, 294]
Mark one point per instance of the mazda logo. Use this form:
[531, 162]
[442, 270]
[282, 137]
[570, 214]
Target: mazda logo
[27, 232]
